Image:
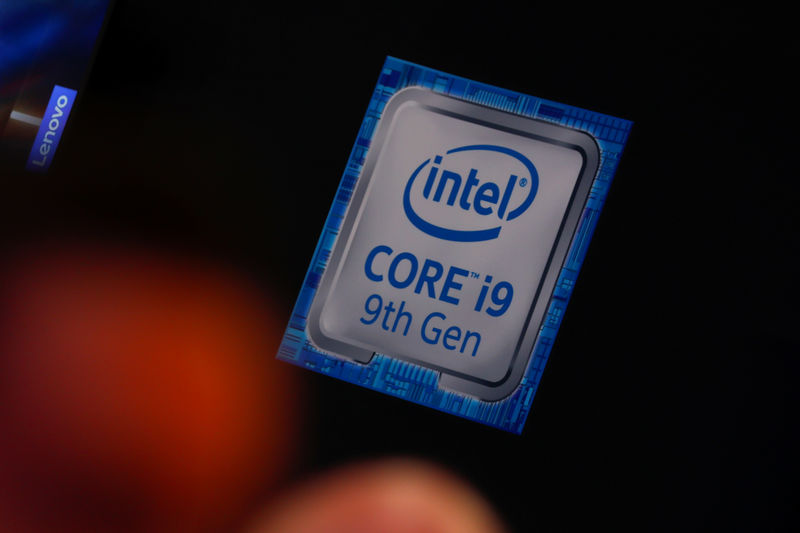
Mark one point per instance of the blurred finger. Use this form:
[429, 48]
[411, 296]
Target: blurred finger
[398, 496]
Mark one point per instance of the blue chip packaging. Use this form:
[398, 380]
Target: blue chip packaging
[453, 243]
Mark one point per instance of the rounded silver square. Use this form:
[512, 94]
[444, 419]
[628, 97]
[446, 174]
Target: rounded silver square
[453, 240]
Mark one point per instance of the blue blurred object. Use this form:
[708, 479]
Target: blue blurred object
[43, 43]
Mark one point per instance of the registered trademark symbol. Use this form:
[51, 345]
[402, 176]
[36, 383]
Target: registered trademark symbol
[523, 182]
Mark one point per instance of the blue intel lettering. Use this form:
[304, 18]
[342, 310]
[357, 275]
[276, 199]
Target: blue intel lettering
[472, 192]
[486, 194]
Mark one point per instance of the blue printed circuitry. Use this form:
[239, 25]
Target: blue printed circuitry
[411, 381]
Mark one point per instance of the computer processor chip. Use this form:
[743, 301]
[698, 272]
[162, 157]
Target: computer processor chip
[448, 241]
[451, 254]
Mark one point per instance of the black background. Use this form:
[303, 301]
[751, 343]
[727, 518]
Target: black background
[669, 400]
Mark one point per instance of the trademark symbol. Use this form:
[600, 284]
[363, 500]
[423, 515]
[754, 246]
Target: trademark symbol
[523, 182]
[474, 275]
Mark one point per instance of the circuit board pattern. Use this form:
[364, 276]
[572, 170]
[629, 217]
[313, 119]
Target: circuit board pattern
[413, 382]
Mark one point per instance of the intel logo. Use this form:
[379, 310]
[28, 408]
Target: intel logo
[452, 198]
